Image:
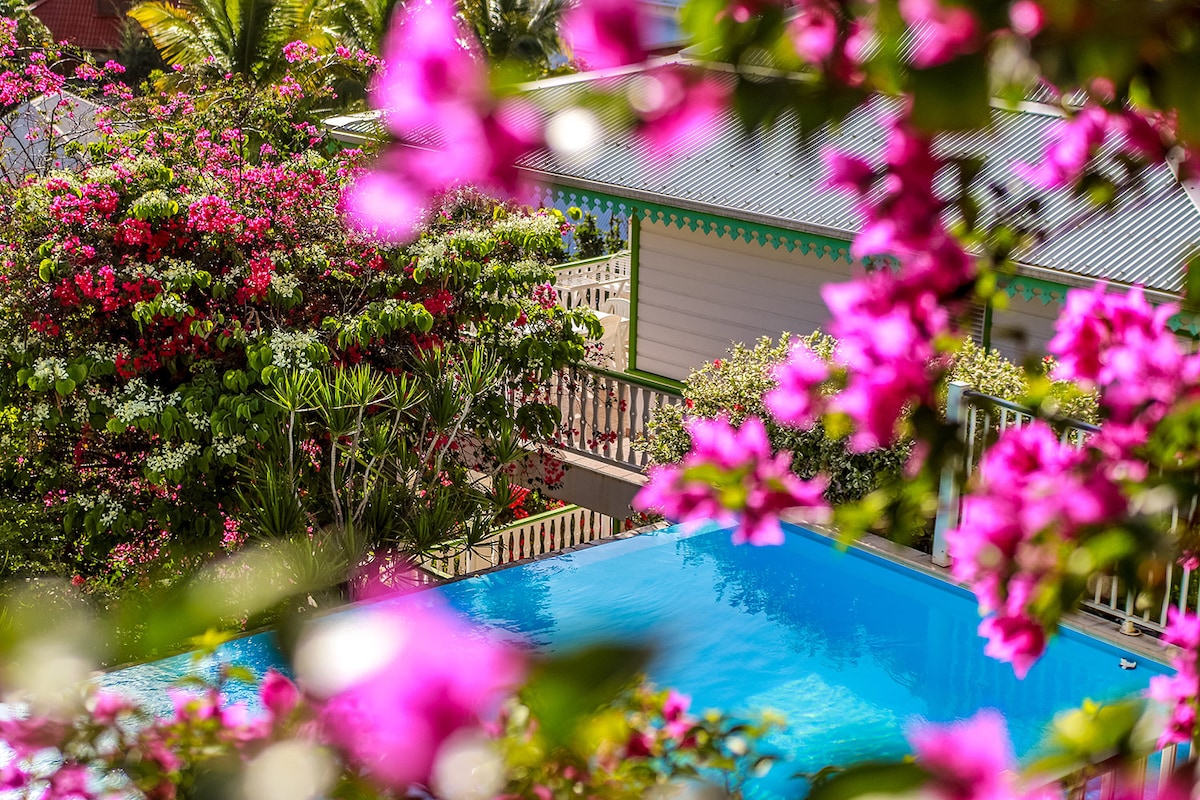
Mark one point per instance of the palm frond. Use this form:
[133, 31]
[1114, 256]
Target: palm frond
[175, 32]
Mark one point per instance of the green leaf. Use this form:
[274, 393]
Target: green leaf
[64, 386]
[564, 689]
[952, 96]
[870, 778]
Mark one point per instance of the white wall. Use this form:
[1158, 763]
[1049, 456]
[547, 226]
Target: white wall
[1023, 329]
[698, 293]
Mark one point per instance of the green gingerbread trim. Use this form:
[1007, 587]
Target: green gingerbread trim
[723, 227]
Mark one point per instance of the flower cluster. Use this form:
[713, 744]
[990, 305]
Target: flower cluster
[887, 324]
[1180, 692]
[1034, 497]
[732, 476]
[393, 729]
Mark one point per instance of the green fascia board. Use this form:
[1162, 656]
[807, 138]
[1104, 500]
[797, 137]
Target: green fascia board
[1047, 292]
[723, 227]
[1032, 289]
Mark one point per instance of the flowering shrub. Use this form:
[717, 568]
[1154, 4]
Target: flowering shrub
[767, 382]
[390, 699]
[153, 297]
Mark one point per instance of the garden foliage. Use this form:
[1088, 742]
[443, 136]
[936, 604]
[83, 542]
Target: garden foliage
[157, 298]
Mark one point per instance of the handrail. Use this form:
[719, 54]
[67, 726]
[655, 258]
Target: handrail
[585, 261]
[980, 417]
[1000, 402]
[640, 380]
[549, 532]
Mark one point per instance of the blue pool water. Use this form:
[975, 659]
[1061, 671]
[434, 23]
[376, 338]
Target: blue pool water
[847, 646]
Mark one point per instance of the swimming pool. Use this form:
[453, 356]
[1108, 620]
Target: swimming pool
[847, 645]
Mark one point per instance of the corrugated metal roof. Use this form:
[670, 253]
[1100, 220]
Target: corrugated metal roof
[770, 178]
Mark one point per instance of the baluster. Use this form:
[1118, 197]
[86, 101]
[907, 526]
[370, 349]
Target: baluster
[634, 458]
[571, 389]
[608, 407]
[1166, 768]
[1108, 786]
[597, 433]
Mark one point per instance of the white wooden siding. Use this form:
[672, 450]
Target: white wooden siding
[699, 293]
[1023, 329]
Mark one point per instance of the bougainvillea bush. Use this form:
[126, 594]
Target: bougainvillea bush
[734, 388]
[153, 298]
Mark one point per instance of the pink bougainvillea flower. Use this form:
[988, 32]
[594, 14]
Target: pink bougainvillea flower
[1179, 692]
[386, 201]
[678, 110]
[968, 760]
[797, 400]
[1019, 640]
[278, 694]
[814, 31]
[433, 91]
[730, 475]
[394, 682]
[940, 31]
[1068, 148]
[675, 716]
[428, 65]
[847, 171]
[1027, 17]
[1123, 345]
[1034, 492]
[606, 33]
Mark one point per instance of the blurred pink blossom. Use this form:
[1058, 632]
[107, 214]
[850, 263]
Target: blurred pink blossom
[428, 675]
[606, 33]
[797, 400]
[940, 31]
[731, 476]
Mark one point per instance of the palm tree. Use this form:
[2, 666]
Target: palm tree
[245, 37]
[361, 24]
[519, 33]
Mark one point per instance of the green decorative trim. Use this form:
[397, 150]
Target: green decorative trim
[1046, 292]
[754, 233]
[1032, 289]
[1185, 322]
[723, 227]
[635, 260]
[594, 202]
[542, 515]
[644, 379]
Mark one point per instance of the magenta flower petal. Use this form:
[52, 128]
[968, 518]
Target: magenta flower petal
[606, 33]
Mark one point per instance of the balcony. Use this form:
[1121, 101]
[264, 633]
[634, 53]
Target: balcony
[602, 284]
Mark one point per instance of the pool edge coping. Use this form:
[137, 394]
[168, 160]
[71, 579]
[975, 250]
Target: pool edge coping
[872, 544]
[1077, 622]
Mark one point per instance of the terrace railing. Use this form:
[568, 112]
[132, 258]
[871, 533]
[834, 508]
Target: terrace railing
[981, 419]
[593, 282]
[1149, 777]
[603, 413]
[549, 532]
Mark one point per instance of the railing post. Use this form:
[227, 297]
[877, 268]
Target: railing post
[948, 508]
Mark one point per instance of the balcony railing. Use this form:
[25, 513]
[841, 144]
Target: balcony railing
[549, 532]
[982, 418]
[602, 413]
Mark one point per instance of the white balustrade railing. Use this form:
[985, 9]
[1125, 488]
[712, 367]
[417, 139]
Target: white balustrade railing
[981, 419]
[1148, 777]
[549, 532]
[603, 414]
[594, 282]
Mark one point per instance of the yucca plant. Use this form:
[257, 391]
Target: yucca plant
[369, 468]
